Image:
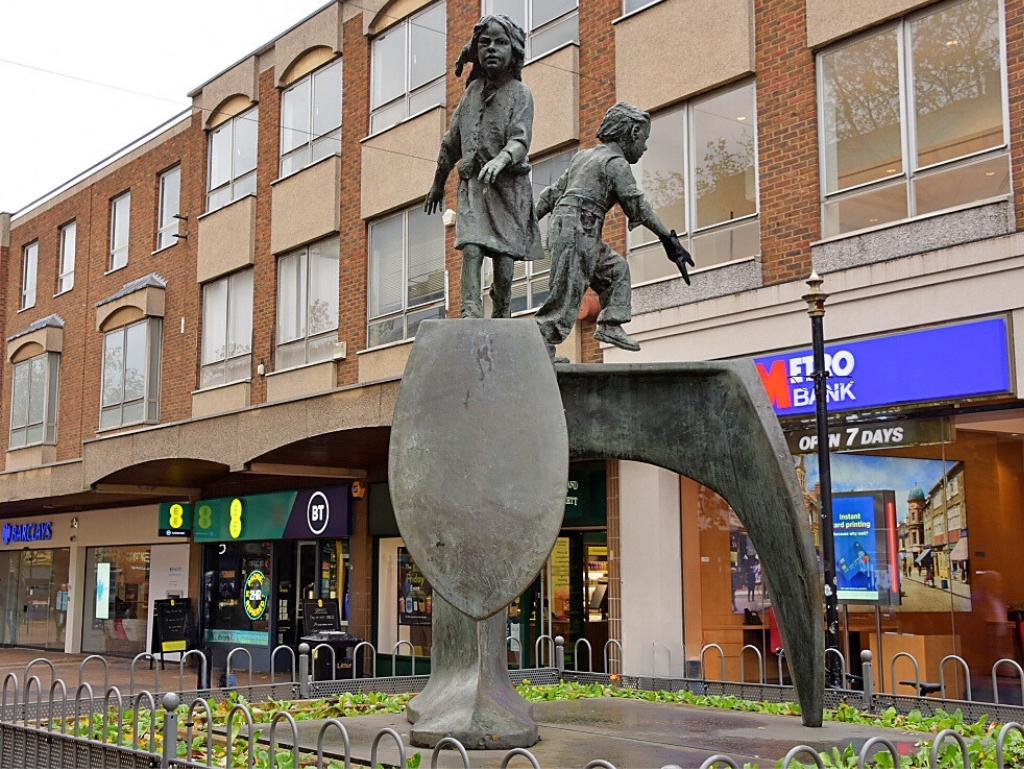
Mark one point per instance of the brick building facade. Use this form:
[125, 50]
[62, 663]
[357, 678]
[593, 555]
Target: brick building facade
[251, 337]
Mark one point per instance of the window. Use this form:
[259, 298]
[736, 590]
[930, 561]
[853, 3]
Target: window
[170, 197]
[311, 119]
[699, 174]
[233, 159]
[530, 279]
[66, 270]
[913, 118]
[406, 274]
[131, 374]
[628, 6]
[227, 330]
[307, 304]
[407, 69]
[120, 208]
[29, 274]
[548, 23]
[34, 401]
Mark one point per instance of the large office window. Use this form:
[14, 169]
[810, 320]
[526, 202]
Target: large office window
[131, 374]
[227, 330]
[548, 23]
[311, 118]
[66, 267]
[407, 69]
[406, 274]
[29, 274]
[307, 304]
[233, 159]
[120, 210]
[700, 175]
[912, 118]
[170, 207]
[34, 401]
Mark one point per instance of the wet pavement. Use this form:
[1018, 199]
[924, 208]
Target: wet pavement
[629, 734]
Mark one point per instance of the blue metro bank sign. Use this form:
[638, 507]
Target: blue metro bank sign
[966, 360]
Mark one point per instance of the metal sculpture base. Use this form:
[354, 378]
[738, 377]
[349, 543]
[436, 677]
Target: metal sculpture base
[469, 695]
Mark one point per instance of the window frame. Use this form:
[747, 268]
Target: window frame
[301, 303]
[692, 231]
[532, 33]
[224, 363]
[910, 172]
[66, 256]
[117, 248]
[48, 390]
[308, 147]
[29, 275]
[150, 399]
[407, 309]
[409, 93]
[167, 220]
[238, 183]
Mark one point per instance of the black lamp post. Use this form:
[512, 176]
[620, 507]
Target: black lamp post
[816, 309]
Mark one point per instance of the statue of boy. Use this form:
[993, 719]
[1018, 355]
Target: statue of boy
[594, 181]
[491, 131]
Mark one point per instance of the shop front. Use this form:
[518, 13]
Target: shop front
[33, 586]
[263, 557]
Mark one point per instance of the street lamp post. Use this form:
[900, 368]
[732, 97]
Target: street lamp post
[816, 309]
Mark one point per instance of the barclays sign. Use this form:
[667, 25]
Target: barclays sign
[27, 532]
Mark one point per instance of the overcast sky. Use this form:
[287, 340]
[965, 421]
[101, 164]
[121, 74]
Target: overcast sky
[140, 58]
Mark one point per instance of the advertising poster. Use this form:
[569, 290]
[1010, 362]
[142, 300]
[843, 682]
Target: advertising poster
[415, 595]
[864, 529]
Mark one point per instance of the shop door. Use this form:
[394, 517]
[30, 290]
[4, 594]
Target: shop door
[10, 597]
[34, 598]
[306, 580]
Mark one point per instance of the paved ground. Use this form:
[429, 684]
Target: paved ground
[627, 733]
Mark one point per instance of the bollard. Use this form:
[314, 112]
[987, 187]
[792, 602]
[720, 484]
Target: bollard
[170, 703]
[869, 680]
[560, 654]
[304, 671]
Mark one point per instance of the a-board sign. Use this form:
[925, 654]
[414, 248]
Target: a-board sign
[319, 616]
[171, 629]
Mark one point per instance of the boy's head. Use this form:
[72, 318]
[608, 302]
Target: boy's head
[627, 126]
[470, 52]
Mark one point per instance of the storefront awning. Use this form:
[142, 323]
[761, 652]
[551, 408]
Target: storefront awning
[960, 551]
[924, 555]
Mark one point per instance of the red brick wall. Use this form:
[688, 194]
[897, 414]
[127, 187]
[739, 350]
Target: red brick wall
[1015, 80]
[787, 140]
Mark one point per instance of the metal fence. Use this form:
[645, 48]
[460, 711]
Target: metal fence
[52, 725]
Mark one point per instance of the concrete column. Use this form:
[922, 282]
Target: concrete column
[651, 563]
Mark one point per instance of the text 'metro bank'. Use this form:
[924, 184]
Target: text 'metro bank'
[965, 360]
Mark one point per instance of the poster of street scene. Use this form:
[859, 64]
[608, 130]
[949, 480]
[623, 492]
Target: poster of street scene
[929, 547]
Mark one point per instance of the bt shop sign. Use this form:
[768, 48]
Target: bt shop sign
[946, 363]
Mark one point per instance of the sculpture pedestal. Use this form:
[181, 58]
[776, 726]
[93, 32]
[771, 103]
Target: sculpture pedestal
[469, 696]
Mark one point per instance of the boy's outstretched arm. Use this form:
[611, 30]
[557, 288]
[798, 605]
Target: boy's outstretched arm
[551, 194]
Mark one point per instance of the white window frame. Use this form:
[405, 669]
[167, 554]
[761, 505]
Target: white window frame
[170, 198]
[29, 274]
[46, 424]
[317, 145]
[637, 5]
[382, 115]
[231, 365]
[316, 347]
[690, 231]
[534, 34]
[241, 181]
[424, 310]
[910, 171]
[66, 266]
[119, 248]
[112, 412]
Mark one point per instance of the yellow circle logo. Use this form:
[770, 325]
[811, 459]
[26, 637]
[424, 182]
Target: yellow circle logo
[204, 517]
[177, 516]
[255, 602]
[235, 524]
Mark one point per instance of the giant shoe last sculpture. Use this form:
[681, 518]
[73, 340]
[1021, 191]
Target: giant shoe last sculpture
[483, 430]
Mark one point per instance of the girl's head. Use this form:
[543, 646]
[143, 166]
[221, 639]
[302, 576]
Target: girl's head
[471, 51]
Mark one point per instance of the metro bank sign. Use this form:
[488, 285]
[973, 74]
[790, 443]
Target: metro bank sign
[937, 364]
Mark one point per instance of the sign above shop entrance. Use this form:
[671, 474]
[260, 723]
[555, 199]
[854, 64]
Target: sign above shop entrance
[948, 363]
[27, 532]
[175, 519]
[304, 514]
[873, 435]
